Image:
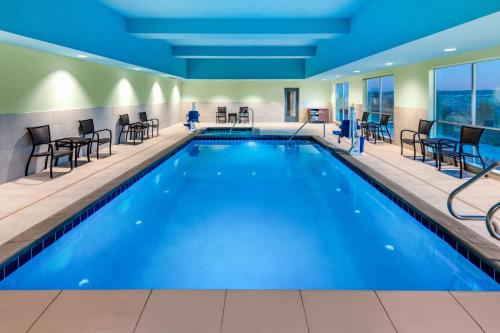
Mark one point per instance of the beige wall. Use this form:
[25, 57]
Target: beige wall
[265, 97]
[39, 88]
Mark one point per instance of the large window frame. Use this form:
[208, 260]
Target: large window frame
[375, 115]
[473, 101]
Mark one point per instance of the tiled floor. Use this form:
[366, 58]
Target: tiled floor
[27, 201]
[248, 311]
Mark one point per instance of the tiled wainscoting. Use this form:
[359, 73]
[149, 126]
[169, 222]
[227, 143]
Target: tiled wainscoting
[15, 144]
[263, 111]
[407, 118]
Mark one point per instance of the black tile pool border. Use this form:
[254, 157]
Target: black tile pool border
[21, 257]
[223, 130]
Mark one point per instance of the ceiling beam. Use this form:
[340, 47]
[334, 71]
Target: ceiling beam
[227, 28]
[243, 52]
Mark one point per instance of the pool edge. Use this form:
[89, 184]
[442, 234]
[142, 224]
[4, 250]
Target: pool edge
[476, 249]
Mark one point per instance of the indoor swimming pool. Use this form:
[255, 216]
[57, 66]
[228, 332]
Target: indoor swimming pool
[242, 214]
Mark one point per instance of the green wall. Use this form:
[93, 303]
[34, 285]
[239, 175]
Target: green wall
[33, 81]
[252, 91]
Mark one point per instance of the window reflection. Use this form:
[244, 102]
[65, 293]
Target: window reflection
[342, 100]
[454, 96]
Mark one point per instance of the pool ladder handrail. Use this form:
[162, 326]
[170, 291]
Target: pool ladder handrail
[489, 221]
[238, 118]
[489, 216]
[308, 120]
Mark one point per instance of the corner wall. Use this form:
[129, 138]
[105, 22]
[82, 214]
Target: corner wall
[265, 97]
[38, 88]
[413, 88]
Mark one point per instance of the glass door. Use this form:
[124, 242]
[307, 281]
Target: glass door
[291, 104]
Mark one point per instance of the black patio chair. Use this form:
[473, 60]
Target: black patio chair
[364, 122]
[469, 136]
[221, 115]
[132, 130]
[424, 129]
[232, 117]
[150, 123]
[40, 136]
[87, 128]
[243, 114]
[378, 129]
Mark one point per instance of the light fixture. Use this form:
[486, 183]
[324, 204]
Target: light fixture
[337, 76]
[323, 79]
[389, 63]
[450, 49]
[82, 56]
[137, 69]
[357, 71]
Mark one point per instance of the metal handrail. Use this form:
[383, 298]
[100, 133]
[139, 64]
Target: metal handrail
[308, 120]
[464, 186]
[301, 127]
[489, 221]
[238, 118]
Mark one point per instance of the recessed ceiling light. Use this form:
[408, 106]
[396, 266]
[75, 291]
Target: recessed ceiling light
[137, 69]
[337, 76]
[357, 71]
[450, 49]
[389, 63]
[82, 56]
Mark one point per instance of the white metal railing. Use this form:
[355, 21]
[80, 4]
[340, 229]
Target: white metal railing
[308, 120]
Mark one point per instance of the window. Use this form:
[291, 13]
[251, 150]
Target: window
[380, 99]
[342, 101]
[469, 94]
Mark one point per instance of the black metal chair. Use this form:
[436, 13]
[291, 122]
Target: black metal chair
[221, 115]
[469, 136]
[132, 130]
[40, 136]
[243, 114]
[232, 117]
[364, 122]
[378, 129]
[87, 128]
[150, 123]
[424, 129]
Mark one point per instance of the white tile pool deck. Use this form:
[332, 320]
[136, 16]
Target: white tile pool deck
[28, 201]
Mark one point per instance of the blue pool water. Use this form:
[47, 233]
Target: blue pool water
[240, 214]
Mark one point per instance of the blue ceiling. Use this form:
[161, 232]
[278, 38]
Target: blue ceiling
[234, 9]
[236, 39]
[238, 13]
